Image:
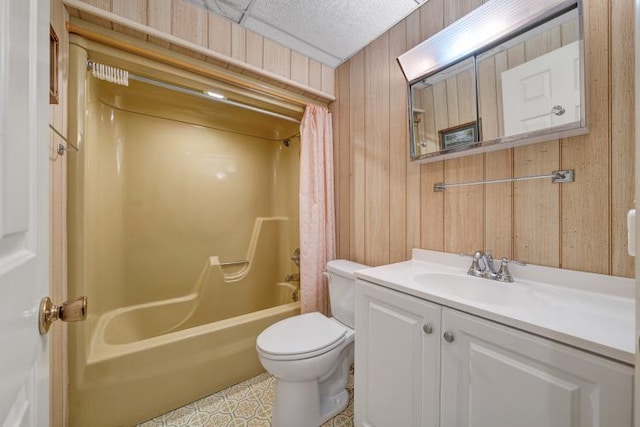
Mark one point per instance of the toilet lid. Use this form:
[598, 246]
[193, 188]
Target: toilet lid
[300, 337]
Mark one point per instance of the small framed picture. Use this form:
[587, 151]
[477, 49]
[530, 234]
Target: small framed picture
[459, 135]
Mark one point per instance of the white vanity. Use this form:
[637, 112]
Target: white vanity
[436, 347]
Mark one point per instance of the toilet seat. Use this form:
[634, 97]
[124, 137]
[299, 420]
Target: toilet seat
[301, 337]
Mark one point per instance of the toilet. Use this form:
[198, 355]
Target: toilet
[311, 355]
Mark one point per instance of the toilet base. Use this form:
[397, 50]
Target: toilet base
[298, 404]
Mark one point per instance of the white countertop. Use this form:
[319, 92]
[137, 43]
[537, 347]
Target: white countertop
[590, 311]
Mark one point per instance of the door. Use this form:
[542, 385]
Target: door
[495, 376]
[24, 213]
[543, 92]
[397, 359]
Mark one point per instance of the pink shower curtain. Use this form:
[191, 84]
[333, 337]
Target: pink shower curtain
[317, 215]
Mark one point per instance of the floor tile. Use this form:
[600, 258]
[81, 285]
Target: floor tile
[247, 404]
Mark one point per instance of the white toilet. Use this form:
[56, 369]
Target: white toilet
[310, 355]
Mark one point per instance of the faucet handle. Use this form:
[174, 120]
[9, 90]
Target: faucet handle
[475, 269]
[504, 275]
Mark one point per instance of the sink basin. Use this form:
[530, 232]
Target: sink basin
[467, 287]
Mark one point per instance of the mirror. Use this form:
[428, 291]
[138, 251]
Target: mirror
[532, 82]
[444, 110]
[516, 86]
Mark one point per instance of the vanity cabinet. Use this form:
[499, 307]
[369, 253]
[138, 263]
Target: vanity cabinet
[397, 359]
[472, 371]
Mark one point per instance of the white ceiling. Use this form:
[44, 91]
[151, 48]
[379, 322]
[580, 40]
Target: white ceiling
[329, 31]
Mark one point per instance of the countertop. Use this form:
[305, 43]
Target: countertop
[589, 311]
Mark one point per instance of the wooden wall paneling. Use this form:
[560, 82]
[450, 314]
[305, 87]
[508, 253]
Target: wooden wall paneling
[102, 4]
[327, 79]
[466, 89]
[189, 23]
[578, 225]
[398, 146]
[536, 206]
[586, 234]
[570, 33]
[136, 10]
[432, 18]
[432, 203]
[219, 33]
[451, 102]
[238, 43]
[464, 206]
[357, 156]
[413, 205]
[254, 45]
[159, 17]
[277, 58]
[498, 203]
[454, 10]
[622, 133]
[343, 167]
[300, 68]
[543, 43]
[500, 61]
[315, 74]
[377, 153]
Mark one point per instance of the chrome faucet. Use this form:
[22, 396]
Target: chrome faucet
[482, 266]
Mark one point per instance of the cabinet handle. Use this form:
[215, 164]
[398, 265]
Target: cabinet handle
[448, 336]
[427, 328]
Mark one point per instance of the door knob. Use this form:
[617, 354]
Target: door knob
[558, 110]
[74, 310]
[427, 329]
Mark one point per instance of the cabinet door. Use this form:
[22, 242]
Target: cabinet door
[495, 376]
[397, 359]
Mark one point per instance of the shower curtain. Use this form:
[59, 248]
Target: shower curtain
[317, 215]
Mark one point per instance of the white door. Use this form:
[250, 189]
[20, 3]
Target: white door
[397, 359]
[543, 92]
[24, 212]
[495, 376]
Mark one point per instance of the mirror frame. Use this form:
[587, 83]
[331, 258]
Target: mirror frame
[481, 30]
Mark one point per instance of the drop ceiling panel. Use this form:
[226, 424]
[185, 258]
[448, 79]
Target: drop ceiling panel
[339, 27]
[329, 31]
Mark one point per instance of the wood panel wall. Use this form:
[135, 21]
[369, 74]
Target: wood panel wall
[58, 225]
[386, 205]
[196, 25]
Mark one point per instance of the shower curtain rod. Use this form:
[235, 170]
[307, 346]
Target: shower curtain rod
[210, 98]
[128, 76]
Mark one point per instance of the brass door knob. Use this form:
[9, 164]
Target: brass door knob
[74, 310]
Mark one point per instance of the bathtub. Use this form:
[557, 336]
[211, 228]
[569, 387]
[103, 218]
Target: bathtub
[156, 190]
[126, 381]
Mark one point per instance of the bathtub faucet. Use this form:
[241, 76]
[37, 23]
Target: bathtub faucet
[295, 277]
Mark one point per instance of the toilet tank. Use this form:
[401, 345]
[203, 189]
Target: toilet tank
[342, 289]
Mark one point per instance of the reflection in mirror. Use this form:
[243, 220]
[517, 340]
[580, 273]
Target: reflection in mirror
[444, 116]
[533, 81]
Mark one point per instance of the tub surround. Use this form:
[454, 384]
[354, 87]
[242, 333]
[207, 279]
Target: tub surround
[589, 311]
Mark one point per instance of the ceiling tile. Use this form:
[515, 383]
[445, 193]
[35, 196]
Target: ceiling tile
[340, 27]
[329, 31]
